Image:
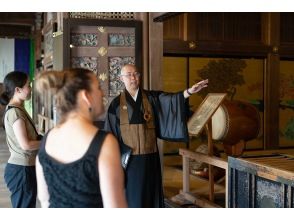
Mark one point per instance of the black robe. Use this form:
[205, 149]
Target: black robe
[143, 174]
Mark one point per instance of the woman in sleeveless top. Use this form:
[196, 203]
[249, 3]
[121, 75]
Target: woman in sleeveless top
[21, 138]
[78, 165]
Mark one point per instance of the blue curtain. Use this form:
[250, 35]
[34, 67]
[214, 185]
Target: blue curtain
[22, 55]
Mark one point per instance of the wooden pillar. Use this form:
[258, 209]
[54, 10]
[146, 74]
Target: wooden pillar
[186, 174]
[59, 19]
[143, 16]
[271, 37]
[210, 153]
[152, 50]
[155, 52]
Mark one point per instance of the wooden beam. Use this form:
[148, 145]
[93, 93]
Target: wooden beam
[186, 175]
[271, 37]
[199, 200]
[14, 31]
[210, 153]
[162, 16]
[215, 48]
[18, 18]
[215, 161]
[286, 50]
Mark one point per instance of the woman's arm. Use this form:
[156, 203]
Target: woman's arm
[111, 176]
[21, 135]
[43, 193]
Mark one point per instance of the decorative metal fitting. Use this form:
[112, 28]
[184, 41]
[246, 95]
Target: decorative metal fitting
[102, 51]
[101, 29]
[275, 49]
[192, 45]
[102, 76]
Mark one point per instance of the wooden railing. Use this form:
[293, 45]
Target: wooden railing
[211, 161]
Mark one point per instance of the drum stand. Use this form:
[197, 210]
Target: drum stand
[211, 161]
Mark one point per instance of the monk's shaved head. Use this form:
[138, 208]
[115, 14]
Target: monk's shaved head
[127, 67]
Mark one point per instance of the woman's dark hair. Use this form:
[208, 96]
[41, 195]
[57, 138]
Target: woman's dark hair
[64, 87]
[11, 81]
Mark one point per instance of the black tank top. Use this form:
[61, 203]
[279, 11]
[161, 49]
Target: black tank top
[74, 184]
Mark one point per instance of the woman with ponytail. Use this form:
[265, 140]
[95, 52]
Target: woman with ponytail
[78, 165]
[22, 141]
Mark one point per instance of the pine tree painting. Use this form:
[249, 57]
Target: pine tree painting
[289, 131]
[223, 76]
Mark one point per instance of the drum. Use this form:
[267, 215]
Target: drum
[234, 121]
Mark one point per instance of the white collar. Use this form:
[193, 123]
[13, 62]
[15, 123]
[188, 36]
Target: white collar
[136, 95]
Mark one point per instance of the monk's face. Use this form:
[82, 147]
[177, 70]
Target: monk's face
[130, 77]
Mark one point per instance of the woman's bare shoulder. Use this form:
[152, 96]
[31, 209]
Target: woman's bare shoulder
[110, 140]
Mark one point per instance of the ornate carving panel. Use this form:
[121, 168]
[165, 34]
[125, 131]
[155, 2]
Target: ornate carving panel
[103, 15]
[103, 46]
[121, 40]
[115, 64]
[85, 40]
[90, 63]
